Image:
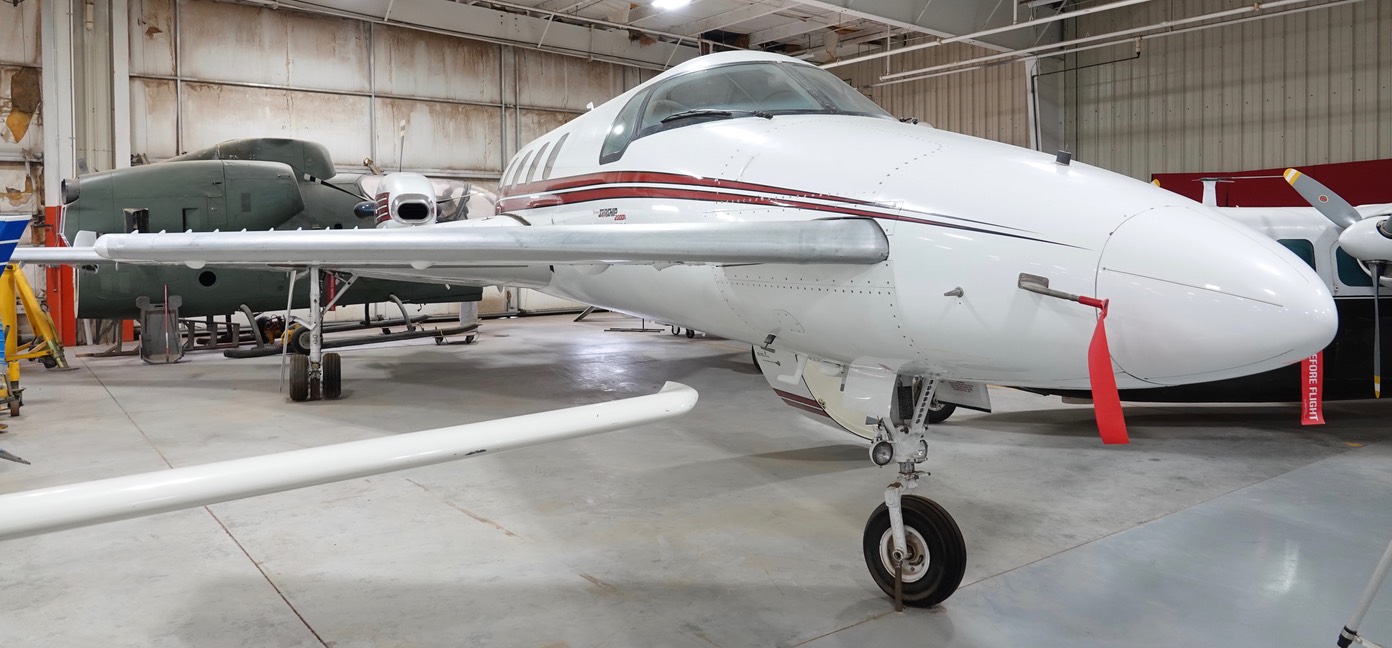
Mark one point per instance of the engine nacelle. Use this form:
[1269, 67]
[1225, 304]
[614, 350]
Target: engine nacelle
[198, 195]
[404, 200]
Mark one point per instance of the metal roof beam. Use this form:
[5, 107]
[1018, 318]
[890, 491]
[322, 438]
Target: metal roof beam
[793, 28]
[850, 44]
[945, 19]
[732, 17]
[565, 6]
[646, 14]
[599, 40]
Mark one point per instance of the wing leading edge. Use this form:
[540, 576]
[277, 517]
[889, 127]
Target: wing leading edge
[834, 241]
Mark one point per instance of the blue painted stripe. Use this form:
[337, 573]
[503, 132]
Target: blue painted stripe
[10, 233]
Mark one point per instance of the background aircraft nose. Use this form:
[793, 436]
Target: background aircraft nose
[1197, 297]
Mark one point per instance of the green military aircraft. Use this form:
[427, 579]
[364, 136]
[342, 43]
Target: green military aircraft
[261, 183]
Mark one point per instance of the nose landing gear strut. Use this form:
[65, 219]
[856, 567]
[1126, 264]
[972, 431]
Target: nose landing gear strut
[913, 548]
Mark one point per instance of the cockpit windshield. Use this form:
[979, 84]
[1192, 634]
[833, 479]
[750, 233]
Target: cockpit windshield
[839, 94]
[762, 89]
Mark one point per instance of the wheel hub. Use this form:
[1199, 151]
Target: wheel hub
[916, 557]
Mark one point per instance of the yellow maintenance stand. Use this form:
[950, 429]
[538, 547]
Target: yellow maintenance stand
[45, 347]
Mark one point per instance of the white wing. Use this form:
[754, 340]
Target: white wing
[841, 241]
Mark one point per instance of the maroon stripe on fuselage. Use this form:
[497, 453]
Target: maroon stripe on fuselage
[815, 410]
[651, 177]
[521, 203]
[599, 186]
[704, 195]
[801, 399]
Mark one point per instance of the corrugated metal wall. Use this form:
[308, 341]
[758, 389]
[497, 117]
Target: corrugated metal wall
[467, 105]
[20, 128]
[1309, 88]
[990, 102]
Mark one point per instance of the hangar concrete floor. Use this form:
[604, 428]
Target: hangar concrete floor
[738, 525]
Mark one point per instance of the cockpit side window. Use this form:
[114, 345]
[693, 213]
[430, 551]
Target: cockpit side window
[1351, 272]
[507, 173]
[621, 133]
[536, 162]
[551, 159]
[1302, 248]
[521, 168]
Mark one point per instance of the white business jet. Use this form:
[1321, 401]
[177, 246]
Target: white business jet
[878, 266]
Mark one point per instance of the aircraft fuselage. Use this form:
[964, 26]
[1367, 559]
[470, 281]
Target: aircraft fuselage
[960, 213]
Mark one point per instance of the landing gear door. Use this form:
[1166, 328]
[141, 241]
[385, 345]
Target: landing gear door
[782, 368]
[971, 395]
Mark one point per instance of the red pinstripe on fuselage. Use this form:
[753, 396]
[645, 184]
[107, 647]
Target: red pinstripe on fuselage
[618, 185]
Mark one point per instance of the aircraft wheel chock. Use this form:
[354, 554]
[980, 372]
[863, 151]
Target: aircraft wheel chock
[936, 556]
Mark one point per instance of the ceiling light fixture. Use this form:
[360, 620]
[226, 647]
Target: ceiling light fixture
[670, 4]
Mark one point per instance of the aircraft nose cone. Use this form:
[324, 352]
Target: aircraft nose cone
[1196, 297]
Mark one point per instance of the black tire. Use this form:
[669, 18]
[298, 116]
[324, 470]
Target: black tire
[946, 552]
[938, 412]
[14, 407]
[333, 375]
[299, 341]
[690, 334]
[299, 378]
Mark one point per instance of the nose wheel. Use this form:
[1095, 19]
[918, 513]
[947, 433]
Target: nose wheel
[934, 556]
[913, 548]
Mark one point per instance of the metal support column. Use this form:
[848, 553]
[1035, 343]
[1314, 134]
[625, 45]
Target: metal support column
[60, 149]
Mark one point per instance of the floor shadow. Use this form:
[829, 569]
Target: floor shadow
[571, 608]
